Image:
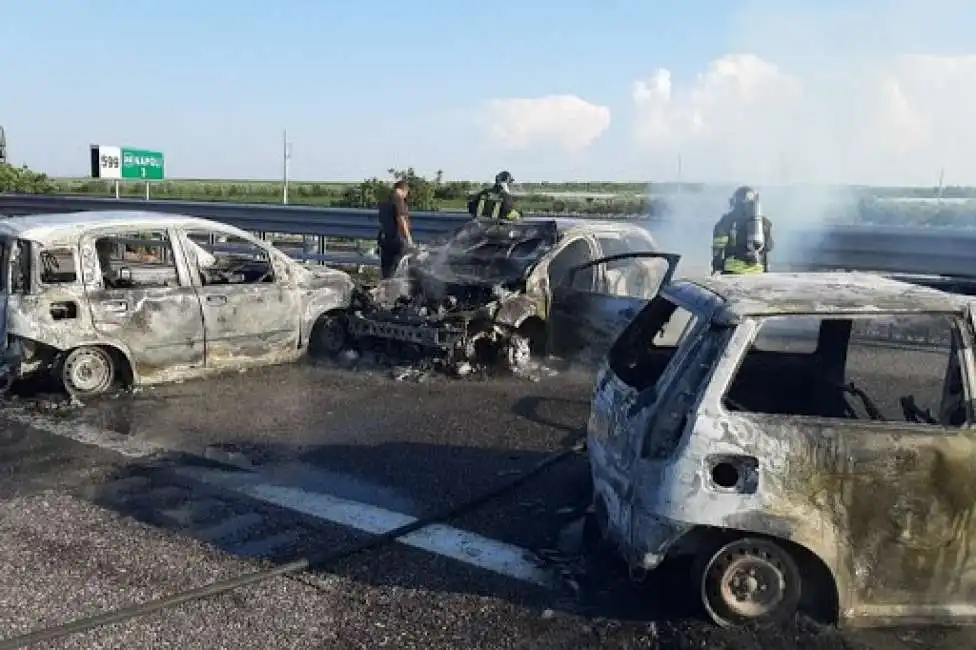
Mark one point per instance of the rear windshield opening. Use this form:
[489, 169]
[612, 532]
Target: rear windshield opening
[642, 353]
[875, 368]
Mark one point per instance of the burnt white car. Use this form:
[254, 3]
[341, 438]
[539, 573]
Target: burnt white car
[102, 298]
[537, 286]
[806, 440]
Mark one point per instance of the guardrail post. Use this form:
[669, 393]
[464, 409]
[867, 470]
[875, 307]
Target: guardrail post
[323, 241]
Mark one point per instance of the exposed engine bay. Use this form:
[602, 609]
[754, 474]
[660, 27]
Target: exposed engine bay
[466, 301]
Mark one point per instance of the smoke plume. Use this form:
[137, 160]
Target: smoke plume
[807, 101]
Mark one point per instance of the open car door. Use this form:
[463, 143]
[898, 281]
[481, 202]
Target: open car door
[597, 300]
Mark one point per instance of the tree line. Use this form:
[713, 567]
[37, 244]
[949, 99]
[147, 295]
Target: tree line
[435, 194]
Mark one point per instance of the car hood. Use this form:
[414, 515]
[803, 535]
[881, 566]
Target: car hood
[322, 276]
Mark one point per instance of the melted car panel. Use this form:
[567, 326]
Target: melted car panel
[838, 422]
[174, 297]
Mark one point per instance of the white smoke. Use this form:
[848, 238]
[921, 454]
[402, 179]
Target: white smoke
[809, 102]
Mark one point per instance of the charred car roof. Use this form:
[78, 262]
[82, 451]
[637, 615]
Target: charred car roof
[774, 294]
[47, 227]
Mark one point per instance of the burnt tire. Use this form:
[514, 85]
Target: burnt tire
[517, 351]
[749, 581]
[88, 371]
[329, 336]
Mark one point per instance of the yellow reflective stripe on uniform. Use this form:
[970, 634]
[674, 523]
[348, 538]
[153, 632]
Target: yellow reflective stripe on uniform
[496, 209]
[741, 267]
[720, 240]
[480, 210]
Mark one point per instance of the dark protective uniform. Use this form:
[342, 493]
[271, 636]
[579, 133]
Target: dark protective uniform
[496, 202]
[391, 242]
[731, 251]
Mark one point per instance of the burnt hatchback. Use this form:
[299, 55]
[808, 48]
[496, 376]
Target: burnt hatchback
[143, 298]
[805, 440]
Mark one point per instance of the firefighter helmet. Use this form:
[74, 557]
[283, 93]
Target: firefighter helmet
[743, 195]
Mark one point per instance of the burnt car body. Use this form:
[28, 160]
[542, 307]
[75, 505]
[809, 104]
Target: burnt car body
[776, 441]
[519, 288]
[147, 298]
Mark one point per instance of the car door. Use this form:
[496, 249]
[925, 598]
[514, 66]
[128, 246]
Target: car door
[149, 306]
[587, 313]
[905, 490]
[251, 307]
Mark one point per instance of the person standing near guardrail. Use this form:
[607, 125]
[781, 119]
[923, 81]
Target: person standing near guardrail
[394, 237]
[495, 202]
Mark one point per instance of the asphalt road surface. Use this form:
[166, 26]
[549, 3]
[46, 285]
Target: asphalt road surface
[139, 496]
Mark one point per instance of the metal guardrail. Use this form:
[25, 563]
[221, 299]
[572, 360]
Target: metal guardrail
[320, 224]
[901, 250]
[893, 249]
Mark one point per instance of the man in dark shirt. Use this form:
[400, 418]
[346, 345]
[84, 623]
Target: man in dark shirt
[394, 236]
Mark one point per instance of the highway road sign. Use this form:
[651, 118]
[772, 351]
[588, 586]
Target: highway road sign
[126, 164]
[139, 164]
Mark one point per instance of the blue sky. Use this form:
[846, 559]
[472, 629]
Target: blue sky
[362, 86]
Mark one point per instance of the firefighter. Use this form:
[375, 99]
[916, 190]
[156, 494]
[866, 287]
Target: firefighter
[743, 237]
[496, 202]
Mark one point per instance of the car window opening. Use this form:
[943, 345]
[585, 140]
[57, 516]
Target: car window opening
[136, 260]
[894, 368]
[58, 265]
[221, 259]
[644, 350]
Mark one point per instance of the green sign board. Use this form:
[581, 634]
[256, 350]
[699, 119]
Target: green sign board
[126, 164]
[138, 164]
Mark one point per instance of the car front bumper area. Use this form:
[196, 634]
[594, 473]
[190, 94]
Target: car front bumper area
[11, 360]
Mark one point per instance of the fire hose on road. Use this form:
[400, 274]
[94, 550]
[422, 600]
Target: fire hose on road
[306, 563]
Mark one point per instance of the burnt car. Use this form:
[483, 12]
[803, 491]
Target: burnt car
[801, 441]
[516, 289]
[142, 298]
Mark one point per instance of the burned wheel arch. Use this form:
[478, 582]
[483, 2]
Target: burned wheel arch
[515, 310]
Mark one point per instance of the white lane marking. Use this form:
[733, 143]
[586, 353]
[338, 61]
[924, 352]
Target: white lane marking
[463, 546]
[129, 446]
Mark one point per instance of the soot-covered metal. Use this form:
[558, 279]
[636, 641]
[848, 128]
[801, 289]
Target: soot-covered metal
[783, 435]
[492, 291]
[146, 298]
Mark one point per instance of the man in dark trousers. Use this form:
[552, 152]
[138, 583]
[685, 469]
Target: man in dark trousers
[394, 237]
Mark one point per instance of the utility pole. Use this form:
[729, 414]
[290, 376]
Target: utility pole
[941, 186]
[285, 158]
[3, 146]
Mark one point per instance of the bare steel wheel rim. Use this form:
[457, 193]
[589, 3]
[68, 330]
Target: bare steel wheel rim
[88, 371]
[519, 351]
[751, 581]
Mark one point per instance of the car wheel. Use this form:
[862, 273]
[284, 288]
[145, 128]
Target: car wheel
[518, 351]
[749, 581]
[329, 336]
[88, 371]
